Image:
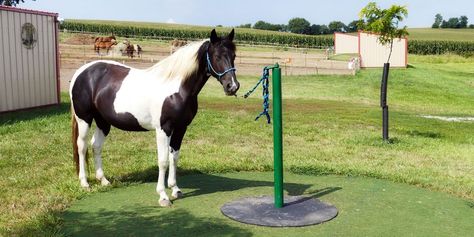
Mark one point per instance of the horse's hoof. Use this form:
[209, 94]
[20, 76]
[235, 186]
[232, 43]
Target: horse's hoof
[85, 185]
[86, 188]
[177, 194]
[104, 182]
[165, 203]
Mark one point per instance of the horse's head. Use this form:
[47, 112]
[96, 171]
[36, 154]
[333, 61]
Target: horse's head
[220, 61]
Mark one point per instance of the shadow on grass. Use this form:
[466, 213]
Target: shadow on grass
[146, 221]
[427, 134]
[203, 184]
[9, 118]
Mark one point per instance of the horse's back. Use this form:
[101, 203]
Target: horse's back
[93, 92]
[92, 78]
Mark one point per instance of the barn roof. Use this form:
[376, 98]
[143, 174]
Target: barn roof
[22, 10]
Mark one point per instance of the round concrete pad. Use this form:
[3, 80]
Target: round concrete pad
[297, 211]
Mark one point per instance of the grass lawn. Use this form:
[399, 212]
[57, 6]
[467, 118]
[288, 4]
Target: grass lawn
[441, 34]
[332, 125]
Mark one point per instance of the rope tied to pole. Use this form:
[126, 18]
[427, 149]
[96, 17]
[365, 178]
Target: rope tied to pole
[265, 93]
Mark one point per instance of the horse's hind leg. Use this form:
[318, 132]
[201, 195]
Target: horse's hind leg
[97, 141]
[82, 129]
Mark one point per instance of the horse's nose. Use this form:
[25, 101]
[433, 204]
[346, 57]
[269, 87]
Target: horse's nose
[237, 86]
[233, 86]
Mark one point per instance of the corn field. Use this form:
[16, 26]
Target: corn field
[248, 36]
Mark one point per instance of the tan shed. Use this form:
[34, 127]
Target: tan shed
[345, 43]
[374, 54]
[371, 52]
[29, 62]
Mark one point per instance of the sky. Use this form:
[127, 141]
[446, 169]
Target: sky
[233, 13]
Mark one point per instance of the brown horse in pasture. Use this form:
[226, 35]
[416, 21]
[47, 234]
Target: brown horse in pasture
[104, 43]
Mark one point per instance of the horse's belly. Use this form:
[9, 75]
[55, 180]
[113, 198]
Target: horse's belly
[143, 99]
[137, 106]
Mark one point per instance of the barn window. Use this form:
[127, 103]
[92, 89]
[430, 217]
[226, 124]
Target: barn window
[28, 35]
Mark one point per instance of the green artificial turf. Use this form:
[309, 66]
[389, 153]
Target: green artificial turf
[367, 207]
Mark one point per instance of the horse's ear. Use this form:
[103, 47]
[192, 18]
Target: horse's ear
[214, 37]
[231, 35]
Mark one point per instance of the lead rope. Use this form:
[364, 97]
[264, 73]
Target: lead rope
[265, 93]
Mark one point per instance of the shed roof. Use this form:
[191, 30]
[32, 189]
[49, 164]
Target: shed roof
[22, 10]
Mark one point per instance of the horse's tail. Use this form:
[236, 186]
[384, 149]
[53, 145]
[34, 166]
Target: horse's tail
[75, 135]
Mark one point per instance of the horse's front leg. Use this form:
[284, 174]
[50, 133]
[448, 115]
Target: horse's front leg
[175, 145]
[162, 142]
[173, 158]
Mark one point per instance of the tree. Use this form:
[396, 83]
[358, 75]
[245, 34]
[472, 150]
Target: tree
[315, 29]
[444, 24]
[12, 3]
[463, 22]
[245, 26]
[262, 25]
[299, 25]
[353, 26]
[438, 20]
[324, 30]
[384, 22]
[471, 26]
[453, 22]
[336, 26]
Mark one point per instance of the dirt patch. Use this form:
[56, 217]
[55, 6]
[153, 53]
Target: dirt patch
[80, 39]
[449, 119]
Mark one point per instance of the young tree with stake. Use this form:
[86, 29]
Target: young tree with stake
[384, 22]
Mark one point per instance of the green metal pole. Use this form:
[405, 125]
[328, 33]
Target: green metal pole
[277, 136]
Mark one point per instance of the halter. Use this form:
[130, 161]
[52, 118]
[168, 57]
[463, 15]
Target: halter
[211, 69]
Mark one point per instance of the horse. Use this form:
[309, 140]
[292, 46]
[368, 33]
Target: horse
[176, 44]
[130, 49]
[137, 48]
[163, 98]
[104, 43]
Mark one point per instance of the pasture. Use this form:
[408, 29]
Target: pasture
[441, 34]
[332, 125]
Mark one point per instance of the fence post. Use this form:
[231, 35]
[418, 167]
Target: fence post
[277, 136]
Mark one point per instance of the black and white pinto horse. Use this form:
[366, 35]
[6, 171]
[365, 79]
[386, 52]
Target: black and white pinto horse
[161, 98]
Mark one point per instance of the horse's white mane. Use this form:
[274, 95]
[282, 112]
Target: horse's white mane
[180, 64]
